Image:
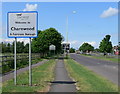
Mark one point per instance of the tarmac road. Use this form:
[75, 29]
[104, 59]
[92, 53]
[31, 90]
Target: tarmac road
[104, 68]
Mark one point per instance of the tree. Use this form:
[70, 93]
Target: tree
[45, 39]
[97, 50]
[86, 47]
[106, 45]
[72, 50]
[26, 48]
[4, 47]
[20, 47]
[8, 48]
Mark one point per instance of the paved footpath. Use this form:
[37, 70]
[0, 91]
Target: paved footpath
[62, 82]
[11, 74]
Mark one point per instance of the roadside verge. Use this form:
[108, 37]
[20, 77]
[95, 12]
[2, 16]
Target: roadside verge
[88, 81]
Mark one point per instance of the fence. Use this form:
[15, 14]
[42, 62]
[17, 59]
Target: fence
[7, 62]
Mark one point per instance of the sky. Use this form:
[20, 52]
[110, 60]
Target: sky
[87, 21]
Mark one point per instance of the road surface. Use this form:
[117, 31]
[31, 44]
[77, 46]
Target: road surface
[105, 68]
[62, 82]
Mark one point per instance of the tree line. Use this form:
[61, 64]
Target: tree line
[39, 45]
[105, 46]
[9, 47]
[52, 37]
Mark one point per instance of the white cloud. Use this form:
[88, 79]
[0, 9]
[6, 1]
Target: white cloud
[7, 40]
[30, 7]
[10, 40]
[109, 12]
[76, 44]
[25, 40]
[93, 43]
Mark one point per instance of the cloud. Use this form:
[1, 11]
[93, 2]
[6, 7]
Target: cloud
[25, 40]
[30, 7]
[76, 44]
[109, 12]
[10, 40]
[93, 43]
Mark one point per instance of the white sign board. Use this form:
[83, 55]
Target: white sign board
[52, 47]
[22, 24]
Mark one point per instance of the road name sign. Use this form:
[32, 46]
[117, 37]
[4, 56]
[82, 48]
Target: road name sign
[22, 24]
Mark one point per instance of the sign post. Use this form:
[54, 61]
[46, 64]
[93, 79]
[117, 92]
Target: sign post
[22, 24]
[30, 69]
[15, 68]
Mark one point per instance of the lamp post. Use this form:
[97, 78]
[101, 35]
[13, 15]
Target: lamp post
[74, 12]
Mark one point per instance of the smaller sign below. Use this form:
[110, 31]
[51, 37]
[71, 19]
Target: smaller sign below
[52, 47]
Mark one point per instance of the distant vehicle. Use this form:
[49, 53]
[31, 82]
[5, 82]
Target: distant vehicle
[117, 53]
[88, 54]
[77, 52]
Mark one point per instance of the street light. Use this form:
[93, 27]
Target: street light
[74, 12]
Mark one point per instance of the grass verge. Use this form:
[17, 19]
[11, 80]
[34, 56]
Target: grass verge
[41, 76]
[104, 58]
[88, 81]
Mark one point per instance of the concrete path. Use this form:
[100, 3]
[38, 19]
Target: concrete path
[62, 82]
[10, 75]
[104, 68]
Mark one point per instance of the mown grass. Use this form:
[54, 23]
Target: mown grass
[88, 81]
[41, 76]
[104, 58]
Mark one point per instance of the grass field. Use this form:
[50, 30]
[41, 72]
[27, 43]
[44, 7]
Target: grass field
[41, 76]
[104, 58]
[88, 81]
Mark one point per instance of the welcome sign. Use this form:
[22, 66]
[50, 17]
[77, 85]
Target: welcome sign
[22, 24]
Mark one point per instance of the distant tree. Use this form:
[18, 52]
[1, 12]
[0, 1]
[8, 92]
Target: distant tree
[12, 47]
[97, 50]
[45, 39]
[119, 48]
[0, 47]
[86, 47]
[106, 45]
[26, 48]
[8, 48]
[4, 47]
[20, 47]
[72, 50]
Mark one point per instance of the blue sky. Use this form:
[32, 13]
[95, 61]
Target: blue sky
[86, 25]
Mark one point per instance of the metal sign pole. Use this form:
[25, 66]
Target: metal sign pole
[15, 69]
[30, 70]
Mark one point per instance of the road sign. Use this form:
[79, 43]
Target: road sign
[66, 46]
[52, 47]
[22, 24]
